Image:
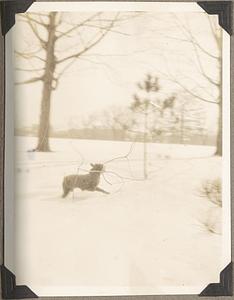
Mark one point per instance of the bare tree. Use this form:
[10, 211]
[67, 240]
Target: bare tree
[200, 56]
[52, 31]
[189, 119]
[119, 119]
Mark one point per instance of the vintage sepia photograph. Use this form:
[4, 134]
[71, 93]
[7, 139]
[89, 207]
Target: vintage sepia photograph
[120, 155]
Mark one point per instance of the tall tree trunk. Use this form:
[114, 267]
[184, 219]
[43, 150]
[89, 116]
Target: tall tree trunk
[44, 126]
[219, 142]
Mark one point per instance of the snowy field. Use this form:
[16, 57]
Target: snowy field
[146, 237]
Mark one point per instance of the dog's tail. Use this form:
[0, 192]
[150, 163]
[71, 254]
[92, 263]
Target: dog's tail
[66, 190]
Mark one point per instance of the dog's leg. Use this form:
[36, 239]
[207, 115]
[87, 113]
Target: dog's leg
[65, 193]
[66, 189]
[101, 190]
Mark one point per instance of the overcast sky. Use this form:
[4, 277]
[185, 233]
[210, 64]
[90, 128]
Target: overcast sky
[107, 76]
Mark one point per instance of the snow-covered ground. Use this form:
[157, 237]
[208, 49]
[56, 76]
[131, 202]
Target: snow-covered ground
[146, 237]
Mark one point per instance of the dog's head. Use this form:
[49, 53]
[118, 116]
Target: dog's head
[97, 167]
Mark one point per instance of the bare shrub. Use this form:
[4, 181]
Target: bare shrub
[212, 190]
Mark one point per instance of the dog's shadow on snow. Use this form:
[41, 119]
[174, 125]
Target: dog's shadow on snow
[68, 199]
[75, 197]
[78, 197]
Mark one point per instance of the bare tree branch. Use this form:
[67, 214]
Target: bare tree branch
[172, 78]
[123, 156]
[91, 44]
[204, 50]
[201, 67]
[123, 18]
[27, 18]
[29, 56]
[77, 55]
[196, 43]
[35, 79]
[41, 16]
[35, 31]
[62, 34]
[191, 38]
[65, 68]
[29, 70]
[66, 33]
[201, 87]
[104, 28]
[189, 91]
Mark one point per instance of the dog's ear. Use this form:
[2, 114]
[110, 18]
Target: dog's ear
[92, 165]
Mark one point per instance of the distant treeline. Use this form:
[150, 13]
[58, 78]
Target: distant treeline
[122, 135]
